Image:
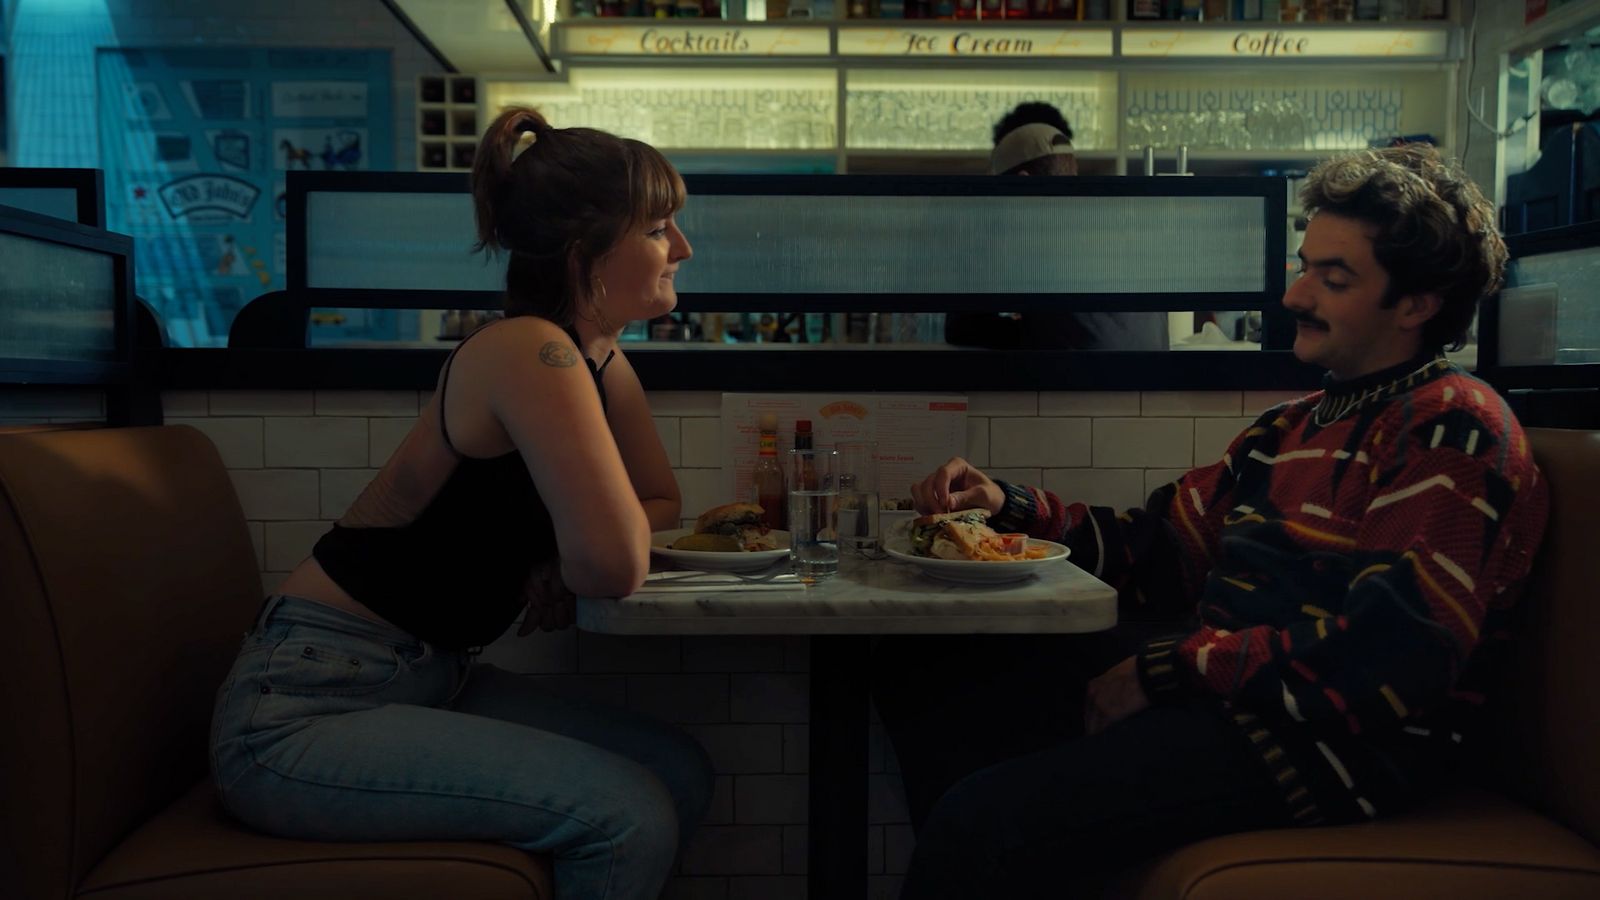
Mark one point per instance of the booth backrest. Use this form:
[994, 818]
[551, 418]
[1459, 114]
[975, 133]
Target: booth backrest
[128, 577]
[1548, 725]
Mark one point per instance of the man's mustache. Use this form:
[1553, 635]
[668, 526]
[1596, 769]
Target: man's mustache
[1308, 319]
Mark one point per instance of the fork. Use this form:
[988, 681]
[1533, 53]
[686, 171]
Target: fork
[748, 579]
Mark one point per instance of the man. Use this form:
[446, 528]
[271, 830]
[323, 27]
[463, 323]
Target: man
[1349, 566]
[1034, 139]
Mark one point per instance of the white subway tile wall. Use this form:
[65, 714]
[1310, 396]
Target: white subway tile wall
[297, 458]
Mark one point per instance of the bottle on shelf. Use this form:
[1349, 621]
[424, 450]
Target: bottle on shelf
[767, 476]
[1144, 9]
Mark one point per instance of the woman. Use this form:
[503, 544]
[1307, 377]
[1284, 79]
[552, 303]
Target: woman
[355, 711]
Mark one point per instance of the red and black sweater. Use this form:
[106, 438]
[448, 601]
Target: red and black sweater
[1352, 560]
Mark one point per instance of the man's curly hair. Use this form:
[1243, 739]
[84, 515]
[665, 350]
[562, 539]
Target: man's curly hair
[1434, 233]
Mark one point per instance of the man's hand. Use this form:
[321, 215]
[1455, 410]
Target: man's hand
[1113, 696]
[957, 485]
[551, 607]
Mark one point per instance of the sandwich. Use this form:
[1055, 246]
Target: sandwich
[965, 535]
[729, 528]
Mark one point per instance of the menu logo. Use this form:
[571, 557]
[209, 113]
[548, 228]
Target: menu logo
[1270, 44]
[668, 43]
[843, 408]
[224, 194]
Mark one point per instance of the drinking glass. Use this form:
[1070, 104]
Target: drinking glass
[858, 496]
[813, 478]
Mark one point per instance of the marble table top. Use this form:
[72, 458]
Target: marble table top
[869, 597]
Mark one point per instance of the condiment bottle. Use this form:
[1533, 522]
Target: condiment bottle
[802, 441]
[767, 476]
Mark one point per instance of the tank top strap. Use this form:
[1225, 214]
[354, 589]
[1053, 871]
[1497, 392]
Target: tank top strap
[444, 385]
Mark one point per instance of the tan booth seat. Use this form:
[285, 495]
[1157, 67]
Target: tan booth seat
[1532, 830]
[127, 579]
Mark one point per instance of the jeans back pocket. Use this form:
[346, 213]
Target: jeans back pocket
[318, 661]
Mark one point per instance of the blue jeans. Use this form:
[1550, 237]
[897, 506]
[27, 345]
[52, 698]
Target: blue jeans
[332, 727]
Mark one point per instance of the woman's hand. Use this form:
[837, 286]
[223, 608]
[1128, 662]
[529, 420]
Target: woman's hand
[551, 607]
[957, 485]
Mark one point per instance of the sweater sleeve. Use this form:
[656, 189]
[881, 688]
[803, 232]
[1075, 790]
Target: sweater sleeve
[1156, 556]
[1441, 540]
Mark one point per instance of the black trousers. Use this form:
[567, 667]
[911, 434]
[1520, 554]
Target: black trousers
[1010, 799]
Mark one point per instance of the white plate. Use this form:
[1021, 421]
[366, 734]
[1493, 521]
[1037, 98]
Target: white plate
[972, 571]
[713, 561]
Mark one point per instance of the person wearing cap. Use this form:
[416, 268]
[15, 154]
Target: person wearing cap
[1034, 139]
[1034, 149]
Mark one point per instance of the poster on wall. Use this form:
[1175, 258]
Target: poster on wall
[195, 144]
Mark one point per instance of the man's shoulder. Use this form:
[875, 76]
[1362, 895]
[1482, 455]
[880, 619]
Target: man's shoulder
[1462, 413]
[1459, 394]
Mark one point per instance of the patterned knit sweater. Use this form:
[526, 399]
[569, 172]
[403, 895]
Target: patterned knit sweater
[1352, 561]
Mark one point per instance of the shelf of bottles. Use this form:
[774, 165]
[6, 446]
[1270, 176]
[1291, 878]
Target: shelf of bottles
[1015, 10]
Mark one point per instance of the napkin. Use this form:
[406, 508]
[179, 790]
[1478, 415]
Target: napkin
[707, 582]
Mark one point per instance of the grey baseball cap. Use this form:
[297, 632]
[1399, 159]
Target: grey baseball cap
[1026, 144]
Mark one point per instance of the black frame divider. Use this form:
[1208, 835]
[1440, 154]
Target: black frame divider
[116, 375]
[268, 343]
[89, 186]
[1568, 377]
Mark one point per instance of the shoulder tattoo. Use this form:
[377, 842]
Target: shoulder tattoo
[558, 355]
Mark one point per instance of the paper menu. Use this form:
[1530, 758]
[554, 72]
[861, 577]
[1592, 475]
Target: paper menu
[916, 433]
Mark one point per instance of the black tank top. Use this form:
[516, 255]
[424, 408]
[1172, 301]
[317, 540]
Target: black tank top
[456, 574]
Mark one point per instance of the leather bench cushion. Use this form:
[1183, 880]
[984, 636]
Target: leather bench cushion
[193, 851]
[1471, 844]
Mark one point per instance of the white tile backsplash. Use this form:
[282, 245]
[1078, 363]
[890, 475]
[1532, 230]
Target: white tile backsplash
[1212, 437]
[1190, 403]
[289, 543]
[317, 442]
[1039, 442]
[702, 442]
[701, 490]
[340, 488]
[1143, 443]
[977, 441]
[668, 429]
[276, 494]
[1003, 403]
[1154, 478]
[1257, 402]
[1116, 488]
[262, 403]
[384, 436]
[1089, 403]
[367, 403]
[686, 403]
[238, 440]
[185, 403]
